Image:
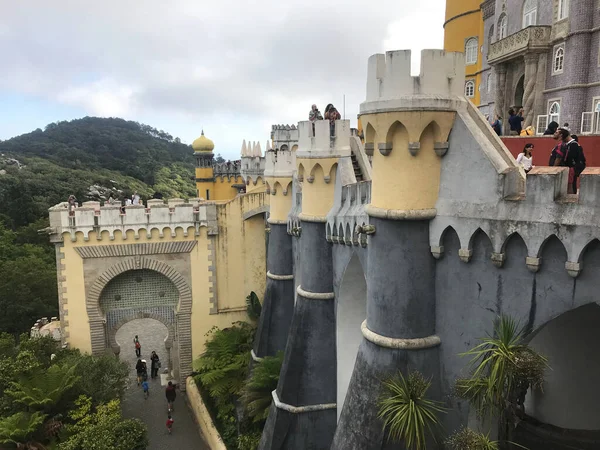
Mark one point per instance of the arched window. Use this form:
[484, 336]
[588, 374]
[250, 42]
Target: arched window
[471, 51]
[502, 26]
[529, 13]
[559, 60]
[470, 88]
[490, 37]
[554, 112]
[490, 80]
[563, 9]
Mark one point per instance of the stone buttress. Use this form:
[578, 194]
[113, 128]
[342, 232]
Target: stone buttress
[278, 302]
[407, 121]
[303, 413]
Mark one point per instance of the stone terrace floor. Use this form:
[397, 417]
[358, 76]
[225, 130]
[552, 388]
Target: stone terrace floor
[153, 411]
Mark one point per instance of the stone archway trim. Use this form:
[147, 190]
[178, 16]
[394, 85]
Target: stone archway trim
[112, 334]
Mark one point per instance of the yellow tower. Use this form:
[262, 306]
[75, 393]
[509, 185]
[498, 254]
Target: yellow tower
[205, 177]
[463, 32]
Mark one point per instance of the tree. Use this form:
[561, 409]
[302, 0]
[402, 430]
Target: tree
[503, 369]
[257, 393]
[102, 429]
[407, 414]
[20, 428]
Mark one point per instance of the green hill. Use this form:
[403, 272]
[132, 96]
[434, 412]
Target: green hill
[90, 158]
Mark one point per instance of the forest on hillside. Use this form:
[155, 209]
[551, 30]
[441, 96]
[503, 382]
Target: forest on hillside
[90, 158]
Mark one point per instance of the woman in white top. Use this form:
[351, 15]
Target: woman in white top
[525, 158]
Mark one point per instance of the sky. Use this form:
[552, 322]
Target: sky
[232, 68]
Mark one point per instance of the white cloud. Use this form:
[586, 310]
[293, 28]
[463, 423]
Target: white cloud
[233, 66]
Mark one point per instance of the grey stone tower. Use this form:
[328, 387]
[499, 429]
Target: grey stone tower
[407, 122]
[303, 414]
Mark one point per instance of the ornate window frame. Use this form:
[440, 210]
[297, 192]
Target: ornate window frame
[558, 59]
[470, 88]
[471, 51]
[530, 9]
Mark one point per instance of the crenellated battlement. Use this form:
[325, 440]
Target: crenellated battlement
[284, 138]
[280, 163]
[321, 144]
[389, 79]
[91, 216]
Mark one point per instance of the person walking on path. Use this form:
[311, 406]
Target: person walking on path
[525, 158]
[138, 346]
[139, 370]
[169, 423]
[171, 395]
[146, 389]
[154, 365]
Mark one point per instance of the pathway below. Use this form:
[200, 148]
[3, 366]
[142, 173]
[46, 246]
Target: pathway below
[153, 411]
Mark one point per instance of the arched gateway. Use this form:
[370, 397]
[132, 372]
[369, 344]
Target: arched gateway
[138, 288]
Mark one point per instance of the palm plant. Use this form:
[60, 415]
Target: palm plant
[503, 369]
[224, 365]
[42, 390]
[407, 414]
[257, 393]
[467, 439]
[19, 428]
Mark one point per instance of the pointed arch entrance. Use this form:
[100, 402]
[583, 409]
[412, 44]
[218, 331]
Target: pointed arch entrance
[351, 311]
[142, 287]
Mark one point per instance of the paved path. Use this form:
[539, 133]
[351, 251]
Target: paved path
[153, 411]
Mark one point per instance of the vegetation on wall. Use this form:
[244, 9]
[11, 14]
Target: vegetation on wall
[238, 400]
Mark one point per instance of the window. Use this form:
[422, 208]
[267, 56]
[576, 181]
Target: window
[542, 124]
[502, 26]
[563, 9]
[471, 51]
[470, 88]
[490, 80]
[554, 112]
[490, 37]
[559, 60]
[529, 13]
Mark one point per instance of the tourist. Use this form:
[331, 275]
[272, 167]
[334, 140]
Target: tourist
[332, 115]
[557, 154]
[138, 346]
[525, 158]
[154, 364]
[146, 388]
[515, 121]
[139, 369]
[313, 116]
[72, 205]
[580, 164]
[497, 125]
[171, 395]
[571, 156]
[169, 423]
[128, 201]
[552, 127]
[111, 200]
[136, 199]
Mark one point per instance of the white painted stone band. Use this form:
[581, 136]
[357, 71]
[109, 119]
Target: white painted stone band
[301, 409]
[279, 277]
[402, 344]
[315, 295]
[308, 218]
[399, 214]
[254, 357]
[276, 222]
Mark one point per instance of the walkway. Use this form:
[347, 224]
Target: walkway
[153, 411]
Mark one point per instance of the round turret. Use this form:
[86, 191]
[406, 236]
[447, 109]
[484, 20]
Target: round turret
[203, 144]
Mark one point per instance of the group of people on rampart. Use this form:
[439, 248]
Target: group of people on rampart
[331, 114]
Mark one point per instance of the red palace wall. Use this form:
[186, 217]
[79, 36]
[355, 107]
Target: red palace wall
[543, 145]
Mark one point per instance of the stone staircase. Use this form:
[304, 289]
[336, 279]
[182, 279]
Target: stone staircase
[357, 172]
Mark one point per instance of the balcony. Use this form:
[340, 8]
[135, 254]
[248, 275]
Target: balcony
[532, 39]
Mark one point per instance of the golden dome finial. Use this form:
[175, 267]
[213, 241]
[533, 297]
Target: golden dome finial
[203, 144]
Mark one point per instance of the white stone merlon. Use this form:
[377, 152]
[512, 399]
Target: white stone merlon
[165, 217]
[253, 167]
[284, 137]
[321, 144]
[280, 163]
[390, 85]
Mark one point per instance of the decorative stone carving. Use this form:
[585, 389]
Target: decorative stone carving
[498, 259]
[465, 254]
[441, 148]
[365, 229]
[414, 147]
[369, 148]
[533, 263]
[385, 148]
[530, 39]
[573, 268]
[437, 252]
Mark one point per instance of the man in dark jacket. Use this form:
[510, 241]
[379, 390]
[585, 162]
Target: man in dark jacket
[515, 122]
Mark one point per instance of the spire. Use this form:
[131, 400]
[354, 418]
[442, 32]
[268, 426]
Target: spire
[202, 132]
[258, 150]
[268, 147]
[253, 149]
[244, 151]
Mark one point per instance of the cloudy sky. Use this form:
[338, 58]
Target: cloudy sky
[230, 67]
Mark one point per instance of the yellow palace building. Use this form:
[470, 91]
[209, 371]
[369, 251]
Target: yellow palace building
[463, 32]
